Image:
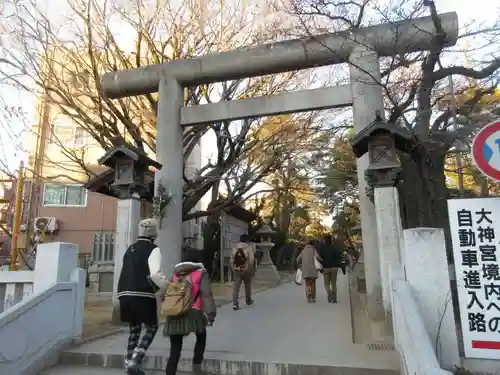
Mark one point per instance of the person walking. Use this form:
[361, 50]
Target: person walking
[308, 260]
[137, 293]
[331, 255]
[195, 320]
[243, 266]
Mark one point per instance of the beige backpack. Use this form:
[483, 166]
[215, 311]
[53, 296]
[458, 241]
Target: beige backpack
[178, 296]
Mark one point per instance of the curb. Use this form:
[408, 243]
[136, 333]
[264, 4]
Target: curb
[102, 335]
[219, 366]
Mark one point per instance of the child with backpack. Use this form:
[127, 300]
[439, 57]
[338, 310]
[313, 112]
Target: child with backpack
[189, 307]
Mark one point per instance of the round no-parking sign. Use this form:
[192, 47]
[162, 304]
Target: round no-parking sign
[486, 150]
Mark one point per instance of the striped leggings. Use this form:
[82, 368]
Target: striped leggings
[137, 349]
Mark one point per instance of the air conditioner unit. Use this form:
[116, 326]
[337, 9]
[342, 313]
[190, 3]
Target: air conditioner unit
[46, 223]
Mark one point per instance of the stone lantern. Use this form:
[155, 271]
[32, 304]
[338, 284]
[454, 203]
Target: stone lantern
[266, 271]
[129, 179]
[131, 167]
[382, 141]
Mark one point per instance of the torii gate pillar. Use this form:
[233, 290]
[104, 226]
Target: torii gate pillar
[367, 99]
[169, 149]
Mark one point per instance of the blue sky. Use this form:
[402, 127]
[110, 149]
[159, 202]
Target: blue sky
[12, 129]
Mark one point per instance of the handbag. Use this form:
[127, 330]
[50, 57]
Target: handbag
[345, 262]
[317, 265]
[298, 277]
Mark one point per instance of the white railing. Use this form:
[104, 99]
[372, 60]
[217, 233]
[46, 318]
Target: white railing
[411, 338]
[14, 287]
[38, 327]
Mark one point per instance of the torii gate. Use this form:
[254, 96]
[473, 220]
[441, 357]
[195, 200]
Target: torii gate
[361, 48]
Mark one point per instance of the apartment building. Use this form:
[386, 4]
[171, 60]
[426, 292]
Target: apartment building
[57, 204]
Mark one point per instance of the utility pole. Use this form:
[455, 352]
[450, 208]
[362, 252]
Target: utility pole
[17, 216]
[455, 128]
[485, 190]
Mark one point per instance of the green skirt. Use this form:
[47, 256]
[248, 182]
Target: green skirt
[193, 321]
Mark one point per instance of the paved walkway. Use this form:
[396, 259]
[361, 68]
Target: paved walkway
[281, 328]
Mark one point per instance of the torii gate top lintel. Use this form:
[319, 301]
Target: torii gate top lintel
[386, 39]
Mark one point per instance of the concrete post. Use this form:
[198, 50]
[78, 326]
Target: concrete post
[128, 215]
[366, 100]
[78, 276]
[169, 152]
[389, 233]
[426, 269]
[55, 262]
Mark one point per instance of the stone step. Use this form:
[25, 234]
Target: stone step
[156, 364]
[88, 370]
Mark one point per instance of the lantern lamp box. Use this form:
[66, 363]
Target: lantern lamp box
[130, 164]
[473, 224]
[381, 134]
[129, 172]
[382, 141]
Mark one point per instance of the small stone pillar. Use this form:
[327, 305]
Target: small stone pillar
[426, 269]
[382, 141]
[266, 271]
[55, 262]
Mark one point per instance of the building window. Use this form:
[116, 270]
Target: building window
[63, 135]
[67, 133]
[64, 195]
[103, 248]
[80, 138]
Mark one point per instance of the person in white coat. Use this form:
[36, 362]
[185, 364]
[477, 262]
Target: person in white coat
[141, 279]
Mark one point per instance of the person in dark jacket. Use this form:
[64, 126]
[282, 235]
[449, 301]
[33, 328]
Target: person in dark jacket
[137, 293]
[331, 261]
[245, 272]
[196, 319]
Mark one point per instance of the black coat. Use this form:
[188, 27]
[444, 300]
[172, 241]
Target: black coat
[331, 255]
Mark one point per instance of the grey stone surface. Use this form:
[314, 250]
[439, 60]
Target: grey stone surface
[281, 333]
[289, 102]
[169, 153]
[388, 39]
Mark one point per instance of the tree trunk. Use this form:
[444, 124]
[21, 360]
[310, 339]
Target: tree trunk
[423, 190]
[212, 236]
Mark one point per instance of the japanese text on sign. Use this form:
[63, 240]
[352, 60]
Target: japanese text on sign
[473, 224]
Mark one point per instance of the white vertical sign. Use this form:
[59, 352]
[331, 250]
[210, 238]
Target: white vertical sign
[475, 234]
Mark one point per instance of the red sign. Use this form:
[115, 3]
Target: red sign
[486, 150]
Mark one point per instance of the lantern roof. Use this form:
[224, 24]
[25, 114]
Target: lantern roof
[403, 139]
[265, 229]
[127, 151]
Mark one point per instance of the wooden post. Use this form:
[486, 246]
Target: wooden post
[222, 253]
[17, 216]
